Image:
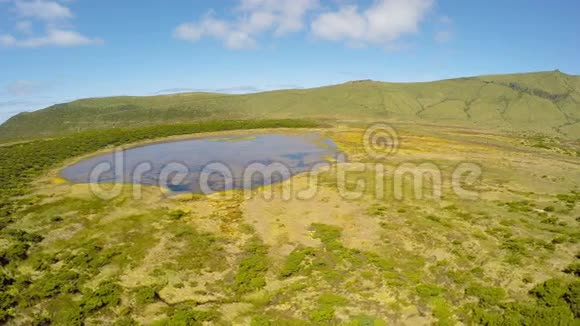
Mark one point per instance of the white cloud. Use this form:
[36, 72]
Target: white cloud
[384, 22]
[252, 19]
[443, 36]
[284, 16]
[53, 37]
[41, 9]
[24, 87]
[7, 40]
[445, 20]
[446, 30]
[53, 18]
[219, 29]
[24, 27]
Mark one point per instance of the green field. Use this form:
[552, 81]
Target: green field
[544, 102]
[510, 255]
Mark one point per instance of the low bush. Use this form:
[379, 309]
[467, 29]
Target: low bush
[188, 317]
[107, 294]
[177, 214]
[146, 295]
[90, 257]
[42, 262]
[549, 208]
[323, 314]
[573, 269]
[554, 302]
[14, 253]
[198, 250]
[251, 274]
[519, 206]
[125, 321]
[426, 291]
[551, 292]
[295, 260]
[55, 283]
[486, 295]
[22, 236]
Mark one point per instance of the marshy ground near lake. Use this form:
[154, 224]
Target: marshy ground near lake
[289, 162]
[508, 255]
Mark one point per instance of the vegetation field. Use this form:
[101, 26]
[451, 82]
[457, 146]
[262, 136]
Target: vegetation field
[508, 256]
[544, 102]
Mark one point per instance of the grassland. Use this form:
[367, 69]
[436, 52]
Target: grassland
[509, 257]
[543, 102]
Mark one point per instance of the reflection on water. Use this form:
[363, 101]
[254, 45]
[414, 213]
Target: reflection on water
[298, 153]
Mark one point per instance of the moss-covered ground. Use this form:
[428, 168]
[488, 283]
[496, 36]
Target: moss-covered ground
[509, 256]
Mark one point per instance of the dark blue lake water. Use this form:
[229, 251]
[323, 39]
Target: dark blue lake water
[218, 162]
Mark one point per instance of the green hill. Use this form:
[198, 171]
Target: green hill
[546, 102]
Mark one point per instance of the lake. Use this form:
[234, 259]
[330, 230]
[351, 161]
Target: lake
[207, 164]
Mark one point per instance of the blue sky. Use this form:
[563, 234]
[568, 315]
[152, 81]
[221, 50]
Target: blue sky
[53, 51]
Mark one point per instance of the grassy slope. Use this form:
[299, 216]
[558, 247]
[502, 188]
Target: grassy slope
[544, 102]
[509, 258]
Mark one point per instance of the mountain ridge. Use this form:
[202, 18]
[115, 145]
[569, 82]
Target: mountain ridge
[543, 102]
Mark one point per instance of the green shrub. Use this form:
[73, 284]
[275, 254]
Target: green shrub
[177, 214]
[550, 220]
[5, 281]
[107, 294]
[516, 246]
[91, 257]
[251, 274]
[70, 315]
[55, 283]
[434, 218]
[198, 250]
[519, 206]
[322, 314]
[42, 262]
[569, 198]
[442, 311]
[573, 269]
[377, 210]
[426, 291]
[523, 314]
[527, 279]
[262, 320]
[189, 317]
[560, 239]
[294, 261]
[41, 320]
[145, 295]
[550, 293]
[22, 236]
[364, 320]
[326, 233]
[125, 321]
[56, 219]
[16, 252]
[572, 297]
[486, 295]
[381, 263]
[331, 299]
[7, 302]
[549, 208]
[555, 303]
